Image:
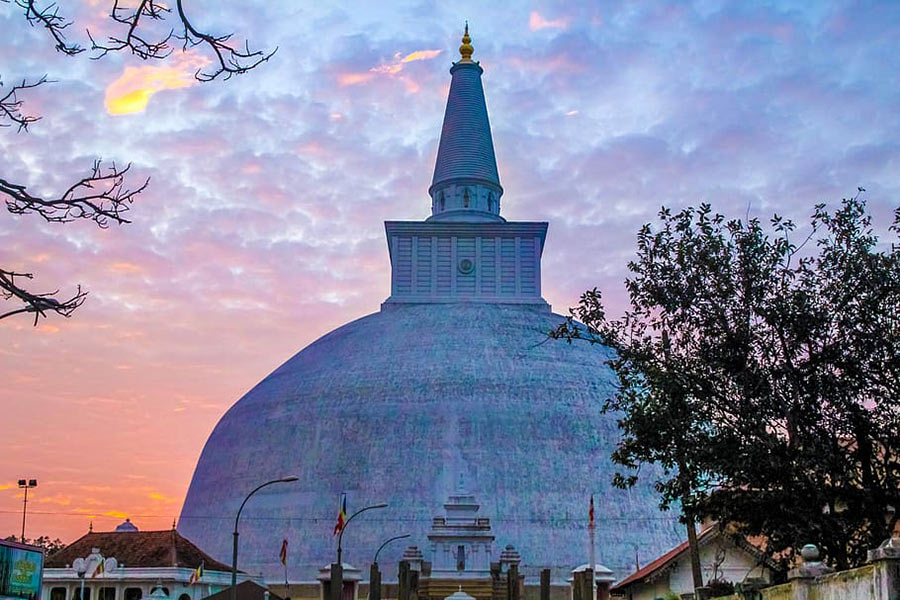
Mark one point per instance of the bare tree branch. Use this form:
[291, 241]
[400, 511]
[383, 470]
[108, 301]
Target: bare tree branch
[49, 18]
[133, 40]
[100, 197]
[231, 60]
[38, 304]
[11, 105]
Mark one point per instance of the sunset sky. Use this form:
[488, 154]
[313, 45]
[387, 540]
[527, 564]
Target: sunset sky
[262, 228]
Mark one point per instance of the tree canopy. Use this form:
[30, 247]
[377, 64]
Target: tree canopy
[762, 375]
[50, 546]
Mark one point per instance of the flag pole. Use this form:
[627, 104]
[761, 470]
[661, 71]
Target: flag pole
[283, 556]
[593, 556]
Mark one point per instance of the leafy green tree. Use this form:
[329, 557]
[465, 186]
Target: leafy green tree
[50, 546]
[761, 375]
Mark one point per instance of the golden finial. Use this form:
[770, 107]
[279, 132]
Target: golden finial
[466, 49]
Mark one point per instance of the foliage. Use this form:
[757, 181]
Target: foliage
[102, 196]
[761, 375]
[50, 547]
[718, 588]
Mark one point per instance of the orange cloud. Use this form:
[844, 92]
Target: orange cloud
[537, 22]
[131, 92]
[163, 498]
[391, 69]
[420, 55]
[56, 499]
[125, 267]
[354, 78]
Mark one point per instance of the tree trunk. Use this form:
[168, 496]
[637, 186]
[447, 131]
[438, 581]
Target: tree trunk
[694, 551]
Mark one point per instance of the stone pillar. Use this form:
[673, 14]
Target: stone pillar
[413, 584]
[804, 576]
[512, 583]
[587, 584]
[412, 556]
[403, 581]
[545, 584]
[336, 582]
[374, 582]
[577, 588]
[886, 558]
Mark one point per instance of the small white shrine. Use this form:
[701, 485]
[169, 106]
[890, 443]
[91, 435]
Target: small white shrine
[461, 542]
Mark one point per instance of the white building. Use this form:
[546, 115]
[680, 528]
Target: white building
[722, 558]
[135, 565]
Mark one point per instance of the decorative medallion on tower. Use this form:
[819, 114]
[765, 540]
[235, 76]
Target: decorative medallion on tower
[465, 251]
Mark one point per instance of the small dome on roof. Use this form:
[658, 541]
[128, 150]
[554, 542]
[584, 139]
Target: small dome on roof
[126, 526]
[602, 573]
[459, 595]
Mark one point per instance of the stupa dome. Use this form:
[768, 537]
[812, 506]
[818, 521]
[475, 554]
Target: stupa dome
[397, 407]
[452, 385]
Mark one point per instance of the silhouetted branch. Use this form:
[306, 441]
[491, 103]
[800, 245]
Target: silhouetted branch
[231, 60]
[134, 40]
[38, 304]
[49, 18]
[100, 197]
[11, 105]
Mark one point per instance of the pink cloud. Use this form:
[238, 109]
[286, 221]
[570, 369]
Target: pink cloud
[536, 22]
[391, 69]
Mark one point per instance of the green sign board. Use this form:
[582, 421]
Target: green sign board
[21, 568]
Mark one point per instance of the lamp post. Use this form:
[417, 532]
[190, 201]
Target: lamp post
[375, 574]
[344, 528]
[81, 575]
[26, 484]
[386, 542]
[234, 554]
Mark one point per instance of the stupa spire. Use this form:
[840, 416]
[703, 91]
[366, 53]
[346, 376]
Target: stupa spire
[465, 51]
[466, 185]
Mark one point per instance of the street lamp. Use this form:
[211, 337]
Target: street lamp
[81, 572]
[236, 519]
[344, 528]
[386, 542]
[26, 484]
[375, 574]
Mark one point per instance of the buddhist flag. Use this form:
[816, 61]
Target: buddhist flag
[283, 554]
[197, 574]
[99, 569]
[342, 515]
[591, 513]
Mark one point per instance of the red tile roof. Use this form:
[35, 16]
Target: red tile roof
[139, 549]
[659, 563]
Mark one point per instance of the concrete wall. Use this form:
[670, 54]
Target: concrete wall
[875, 581]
